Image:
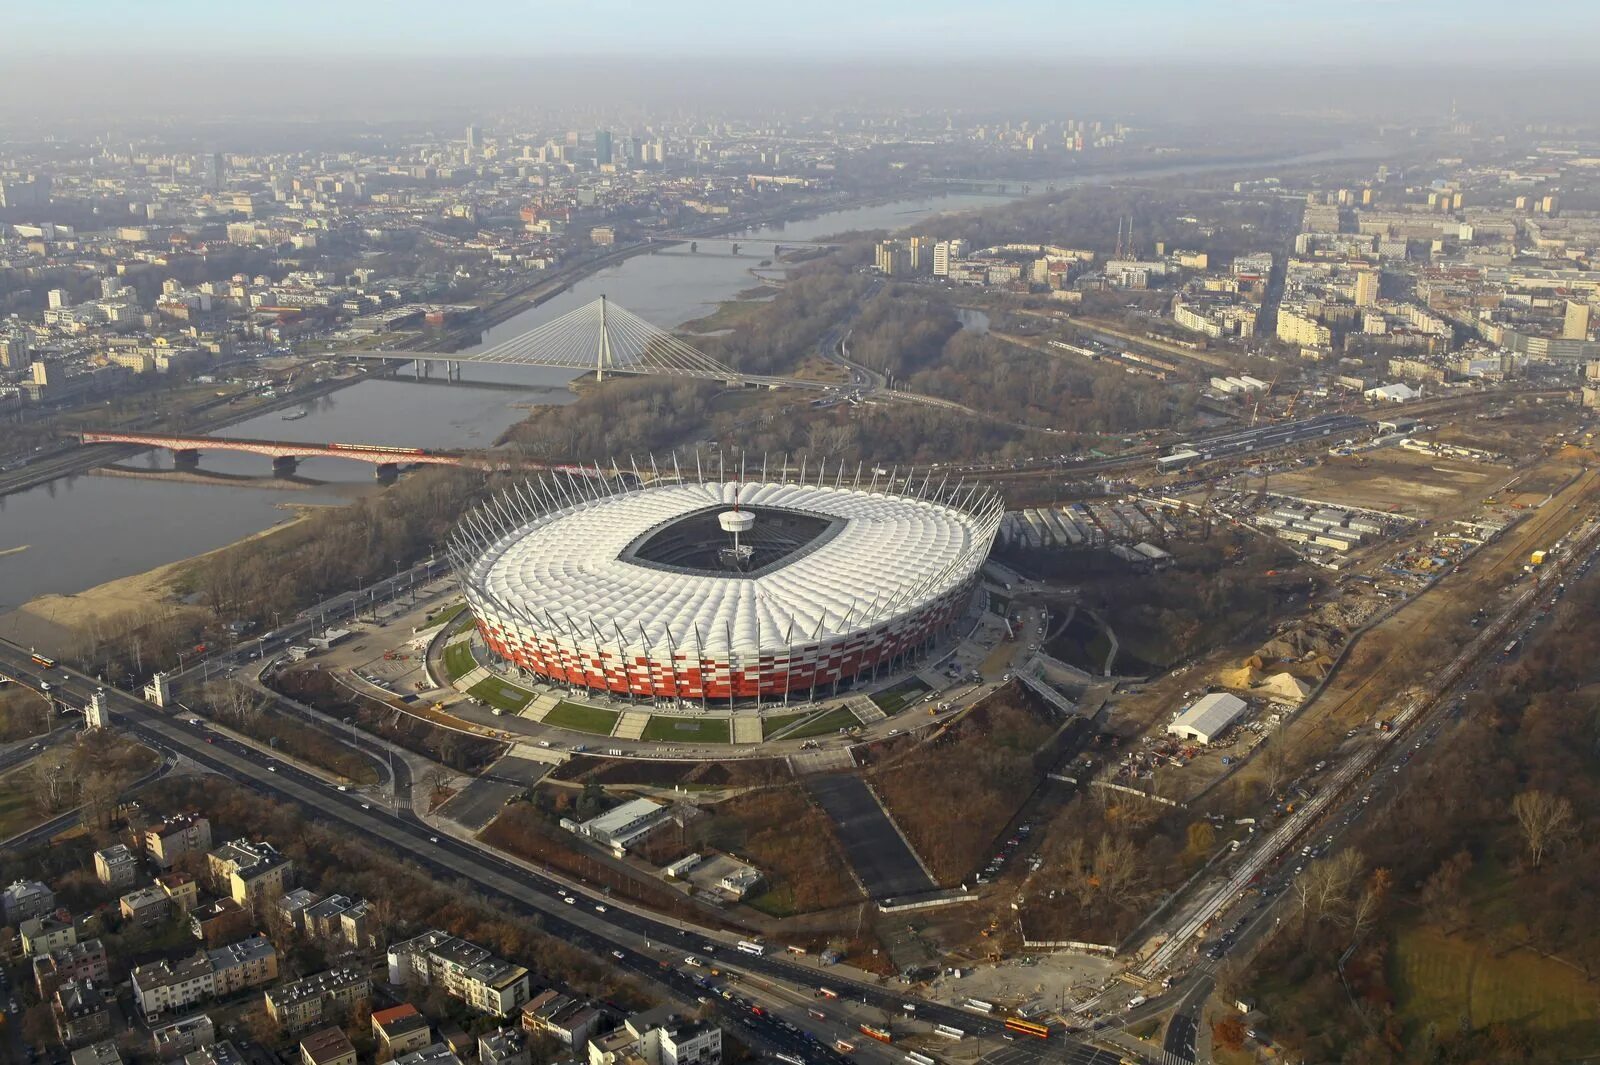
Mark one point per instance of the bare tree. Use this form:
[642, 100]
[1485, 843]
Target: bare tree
[1545, 820]
[55, 780]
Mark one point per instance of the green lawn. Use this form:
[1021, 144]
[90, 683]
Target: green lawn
[1439, 979]
[458, 660]
[661, 727]
[893, 700]
[779, 722]
[825, 723]
[448, 614]
[501, 694]
[17, 811]
[582, 718]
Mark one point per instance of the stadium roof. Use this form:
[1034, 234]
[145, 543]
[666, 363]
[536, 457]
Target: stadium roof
[888, 554]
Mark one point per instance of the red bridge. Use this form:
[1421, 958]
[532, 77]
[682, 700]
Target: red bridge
[285, 454]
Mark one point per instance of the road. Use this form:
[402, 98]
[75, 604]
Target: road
[590, 921]
[1255, 891]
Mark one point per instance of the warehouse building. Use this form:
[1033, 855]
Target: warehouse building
[1207, 717]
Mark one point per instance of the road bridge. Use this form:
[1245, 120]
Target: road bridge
[285, 454]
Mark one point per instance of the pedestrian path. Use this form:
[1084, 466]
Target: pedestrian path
[631, 725]
[467, 681]
[866, 710]
[540, 705]
[747, 728]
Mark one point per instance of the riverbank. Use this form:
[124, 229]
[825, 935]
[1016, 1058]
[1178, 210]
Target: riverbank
[59, 624]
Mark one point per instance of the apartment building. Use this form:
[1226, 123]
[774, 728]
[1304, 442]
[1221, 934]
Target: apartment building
[253, 873]
[303, 1003]
[173, 837]
[116, 866]
[25, 899]
[401, 1029]
[464, 970]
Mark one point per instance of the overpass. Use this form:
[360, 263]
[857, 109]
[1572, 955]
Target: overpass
[285, 454]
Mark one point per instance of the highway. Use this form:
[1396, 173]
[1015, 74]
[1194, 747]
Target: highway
[590, 921]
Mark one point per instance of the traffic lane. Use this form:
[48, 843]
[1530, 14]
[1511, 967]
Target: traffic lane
[450, 857]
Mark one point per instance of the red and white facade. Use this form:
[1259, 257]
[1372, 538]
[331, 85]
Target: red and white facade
[551, 578]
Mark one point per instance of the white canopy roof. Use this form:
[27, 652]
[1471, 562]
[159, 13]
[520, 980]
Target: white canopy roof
[892, 554]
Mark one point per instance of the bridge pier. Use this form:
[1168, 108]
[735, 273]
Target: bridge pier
[285, 465]
[185, 458]
[386, 472]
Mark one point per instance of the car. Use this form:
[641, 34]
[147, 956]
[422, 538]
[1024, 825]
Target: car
[599, 907]
[344, 787]
[433, 839]
[569, 900]
[366, 806]
[617, 954]
[272, 769]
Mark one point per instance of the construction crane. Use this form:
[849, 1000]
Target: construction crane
[1255, 411]
[1289, 413]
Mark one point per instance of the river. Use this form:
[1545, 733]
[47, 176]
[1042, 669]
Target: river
[80, 531]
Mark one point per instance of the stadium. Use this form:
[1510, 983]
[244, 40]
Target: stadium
[695, 589]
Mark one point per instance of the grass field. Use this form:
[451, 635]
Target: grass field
[443, 617]
[779, 722]
[458, 660]
[1441, 979]
[893, 700]
[825, 723]
[17, 811]
[501, 695]
[686, 729]
[582, 718]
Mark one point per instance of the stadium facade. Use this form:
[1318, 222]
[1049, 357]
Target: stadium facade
[715, 589]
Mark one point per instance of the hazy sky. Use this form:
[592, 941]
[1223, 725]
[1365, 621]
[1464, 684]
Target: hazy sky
[1425, 31]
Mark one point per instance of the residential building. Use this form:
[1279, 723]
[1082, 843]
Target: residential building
[223, 1053]
[176, 836]
[82, 1013]
[432, 1054]
[504, 1046]
[116, 866]
[303, 1003]
[1366, 288]
[181, 890]
[327, 1046]
[84, 961]
[25, 899]
[219, 922]
[102, 1053]
[164, 987]
[659, 1037]
[358, 928]
[252, 872]
[1575, 321]
[292, 907]
[243, 965]
[401, 1029]
[571, 1021]
[183, 1036]
[47, 934]
[464, 970]
[145, 907]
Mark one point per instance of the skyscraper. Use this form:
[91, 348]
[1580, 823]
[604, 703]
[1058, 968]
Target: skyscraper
[474, 137]
[602, 146]
[1366, 294]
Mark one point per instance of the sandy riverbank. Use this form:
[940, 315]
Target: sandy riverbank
[56, 624]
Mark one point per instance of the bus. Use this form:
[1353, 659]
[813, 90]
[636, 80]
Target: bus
[1017, 1024]
[1511, 649]
[44, 663]
[747, 947]
[919, 1059]
[844, 1047]
[827, 992]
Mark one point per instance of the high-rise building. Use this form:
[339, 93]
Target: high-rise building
[946, 252]
[474, 137]
[58, 299]
[602, 146]
[1366, 294]
[921, 252]
[1575, 323]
